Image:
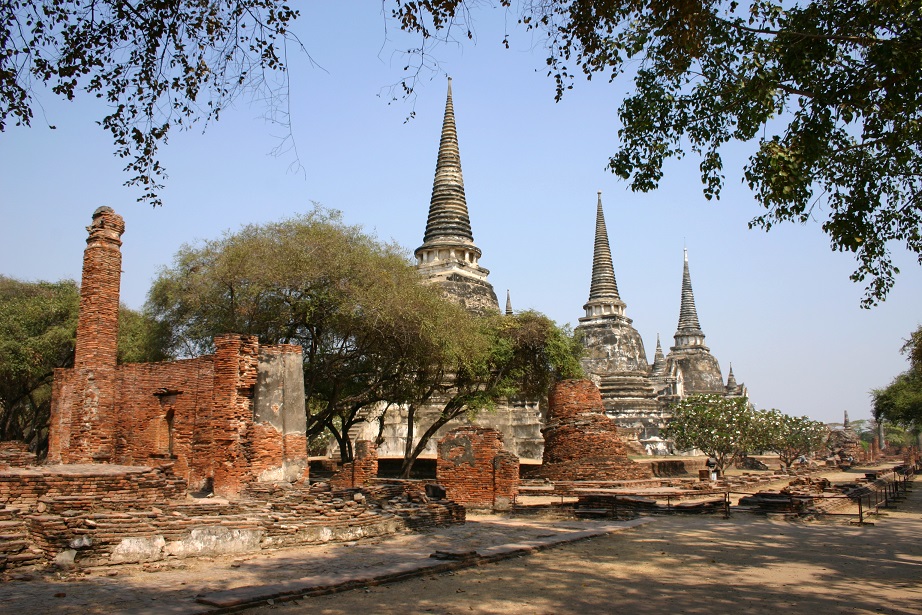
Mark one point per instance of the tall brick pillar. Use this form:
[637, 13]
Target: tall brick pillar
[97, 328]
[235, 371]
[83, 425]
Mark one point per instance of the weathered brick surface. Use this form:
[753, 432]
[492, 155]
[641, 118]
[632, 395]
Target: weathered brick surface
[361, 470]
[475, 470]
[196, 413]
[103, 513]
[580, 442]
[15, 454]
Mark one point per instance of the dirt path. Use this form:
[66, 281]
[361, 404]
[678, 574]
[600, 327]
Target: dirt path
[751, 565]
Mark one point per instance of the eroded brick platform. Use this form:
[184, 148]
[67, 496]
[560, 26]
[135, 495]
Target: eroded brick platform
[580, 442]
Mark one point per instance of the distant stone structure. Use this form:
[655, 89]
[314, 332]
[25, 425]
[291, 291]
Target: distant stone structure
[845, 443]
[449, 259]
[637, 395]
[221, 420]
[448, 256]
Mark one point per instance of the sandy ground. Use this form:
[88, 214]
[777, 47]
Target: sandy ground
[704, 564]
[680, 564]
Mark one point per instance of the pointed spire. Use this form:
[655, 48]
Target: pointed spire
[731, 379]
[508, 303]
[845, 423]
[603, 285]
[448, 217]
[689, 331]
[604, 300]
[659, 359]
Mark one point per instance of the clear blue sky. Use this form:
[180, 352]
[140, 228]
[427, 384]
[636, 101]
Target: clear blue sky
[778, 306]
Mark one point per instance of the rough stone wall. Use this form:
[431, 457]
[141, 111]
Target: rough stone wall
[580, 442]
[612, 345]
[105, 514]
[695, 371]
[359, 471]
[474, 468]
[23, 488]
[277, 440]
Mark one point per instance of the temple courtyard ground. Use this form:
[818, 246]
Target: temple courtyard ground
[748, 564]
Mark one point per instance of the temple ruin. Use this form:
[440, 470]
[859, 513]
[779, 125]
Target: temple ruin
[221, 420]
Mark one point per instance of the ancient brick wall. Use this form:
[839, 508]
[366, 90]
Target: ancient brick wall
[475, 470]
[580, 442]
[201, 414]
[171, 406]
[359, 471]
[23, 488]
[16, 455]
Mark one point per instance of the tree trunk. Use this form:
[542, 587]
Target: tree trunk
[451, 411]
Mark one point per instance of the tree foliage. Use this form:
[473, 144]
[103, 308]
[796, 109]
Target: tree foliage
[510, 357]
[791, 436]
[158, 65]
[900, 402]
[38, 332]
[828, 90]
[370, 330]
[724, 428]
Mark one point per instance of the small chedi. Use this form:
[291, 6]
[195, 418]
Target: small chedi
[580, 442]
[845, 443]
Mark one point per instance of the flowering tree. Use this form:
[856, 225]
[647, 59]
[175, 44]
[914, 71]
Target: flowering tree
[791, 436]
[722, 427]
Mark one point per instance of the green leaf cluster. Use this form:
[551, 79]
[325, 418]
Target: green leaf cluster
[828, 91]
[900, 402]
[372, 332]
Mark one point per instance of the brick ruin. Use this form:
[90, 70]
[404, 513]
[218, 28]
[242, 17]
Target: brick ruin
[475, 470]
[222, 420]
[580, 442]
[358, 472]
[127, 442]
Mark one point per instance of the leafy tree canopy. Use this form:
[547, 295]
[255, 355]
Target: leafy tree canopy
[829, 91]
[370, 330]
[511, 357]
[159, 65]
[791, 436]
[900, 402]
[38, 331]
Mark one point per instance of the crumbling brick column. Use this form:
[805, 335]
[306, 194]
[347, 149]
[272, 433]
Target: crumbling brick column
[358, 472]
[83, 414]
[235, 370]
[475, 469]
